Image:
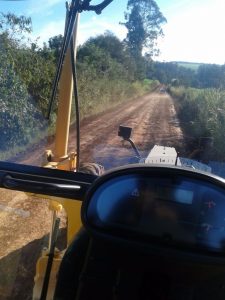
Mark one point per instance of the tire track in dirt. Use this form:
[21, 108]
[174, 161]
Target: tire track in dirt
[153, 119]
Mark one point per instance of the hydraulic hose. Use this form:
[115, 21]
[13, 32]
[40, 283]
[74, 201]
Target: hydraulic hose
[76, 7]
[66, 41]
[76, 99]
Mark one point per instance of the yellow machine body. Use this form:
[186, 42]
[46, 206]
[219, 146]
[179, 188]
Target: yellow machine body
[59, 158]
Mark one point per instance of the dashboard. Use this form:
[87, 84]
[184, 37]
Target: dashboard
[177, 208]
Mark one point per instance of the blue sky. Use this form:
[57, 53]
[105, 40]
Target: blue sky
[194, 32]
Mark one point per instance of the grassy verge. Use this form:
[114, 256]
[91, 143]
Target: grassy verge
[100, 96]
[202, 114]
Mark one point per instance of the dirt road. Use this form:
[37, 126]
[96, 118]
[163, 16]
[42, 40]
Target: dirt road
[25, 221]
[152, 117]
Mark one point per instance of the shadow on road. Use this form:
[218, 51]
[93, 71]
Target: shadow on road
[18, 268]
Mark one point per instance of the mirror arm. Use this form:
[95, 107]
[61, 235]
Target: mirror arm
[134, 148]
[98, 8]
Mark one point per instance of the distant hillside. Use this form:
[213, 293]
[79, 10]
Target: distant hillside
[189, 65]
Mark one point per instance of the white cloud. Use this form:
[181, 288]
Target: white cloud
[49, 30]
[196, 34]
[194, 31]
[85, 30]
[98, 26]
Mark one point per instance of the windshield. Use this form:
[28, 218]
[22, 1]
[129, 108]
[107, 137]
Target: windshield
[136, 67]
[148, 66]
[154, 66]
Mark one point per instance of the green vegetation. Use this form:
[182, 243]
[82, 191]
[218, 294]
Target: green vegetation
[107, 75]
[21, 119]
[206, 76]
[200, 103]
[168, 73]
[143, 22]
[109, 71]
[202, 114]
[189, 65]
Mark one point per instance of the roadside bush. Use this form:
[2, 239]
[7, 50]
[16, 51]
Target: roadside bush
[202, 114]
[20, 120]
[105, 78]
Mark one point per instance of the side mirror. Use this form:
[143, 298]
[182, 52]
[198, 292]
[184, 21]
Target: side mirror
[125, 132]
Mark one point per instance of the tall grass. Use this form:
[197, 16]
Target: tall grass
[99, 95]
[202, 114]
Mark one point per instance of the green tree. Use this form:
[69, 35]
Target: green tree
[20, 119]
[36, 69]
[211, 76]
[143, 22]
[115, 48]
[136, 34]
[55, 44]
[13, 31]
[32, 65]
